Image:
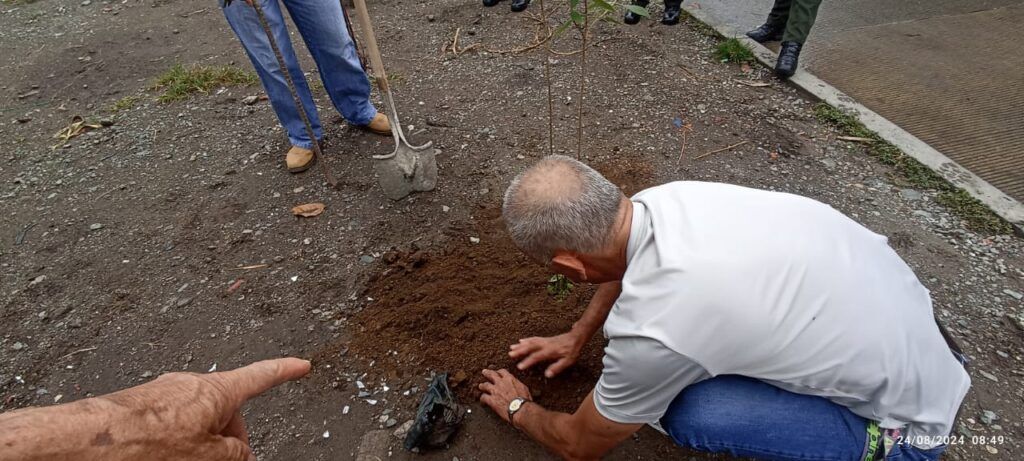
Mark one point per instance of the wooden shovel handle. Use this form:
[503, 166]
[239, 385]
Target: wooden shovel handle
[376, 63]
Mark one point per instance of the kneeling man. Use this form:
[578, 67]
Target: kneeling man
[760, 324]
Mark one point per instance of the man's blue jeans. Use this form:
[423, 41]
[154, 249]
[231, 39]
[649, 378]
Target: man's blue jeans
[322, 26]
[746, 417]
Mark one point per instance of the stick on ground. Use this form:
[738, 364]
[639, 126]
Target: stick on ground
[720, 150]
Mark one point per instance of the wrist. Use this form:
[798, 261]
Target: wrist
[72, 431]
[515, 418]
[580, 334]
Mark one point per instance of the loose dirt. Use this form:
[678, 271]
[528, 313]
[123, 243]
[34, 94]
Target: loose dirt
[457, 310]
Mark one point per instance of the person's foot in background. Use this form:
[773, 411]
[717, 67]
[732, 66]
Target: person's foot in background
[672, 12]
[491, 2]
[631, 17]
[299, 159]
[766, 33]
[789, 55]
[520, 5]
[380, 124]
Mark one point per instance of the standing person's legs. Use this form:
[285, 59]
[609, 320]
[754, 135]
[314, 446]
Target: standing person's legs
[746, 417]
[801, 18]
[773, 27]
[246, 24]
[323, 29]
[780, 13]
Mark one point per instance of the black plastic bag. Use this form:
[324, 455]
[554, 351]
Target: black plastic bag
[438, 417]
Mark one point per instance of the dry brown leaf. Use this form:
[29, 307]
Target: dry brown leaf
[77, 126]
[308, 210]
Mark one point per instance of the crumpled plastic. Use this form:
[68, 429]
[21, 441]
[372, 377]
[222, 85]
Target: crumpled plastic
[438, 417]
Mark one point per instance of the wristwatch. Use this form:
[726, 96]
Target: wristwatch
[513, 407]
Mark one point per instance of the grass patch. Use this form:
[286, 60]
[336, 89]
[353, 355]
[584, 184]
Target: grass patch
[977, 216]
[124, 103]
[179, 81]
[732, 50]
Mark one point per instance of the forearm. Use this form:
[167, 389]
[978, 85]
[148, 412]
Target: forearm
[551, 429]
[75, 431]
[597, 311]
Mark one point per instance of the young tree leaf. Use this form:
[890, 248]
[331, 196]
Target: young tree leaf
[604, 5]
[577, 17]
[638, 10]
[561, 29]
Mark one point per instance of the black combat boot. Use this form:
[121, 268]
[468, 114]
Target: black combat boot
[491, 2]
[671, 15]
[520, 5]
[631, 17]
[766, 33]
[789, 55]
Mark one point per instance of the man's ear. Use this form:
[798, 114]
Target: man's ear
[569, 265]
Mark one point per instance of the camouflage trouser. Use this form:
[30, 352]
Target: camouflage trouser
[797, 16]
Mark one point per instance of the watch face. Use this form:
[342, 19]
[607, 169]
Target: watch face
[515, 404]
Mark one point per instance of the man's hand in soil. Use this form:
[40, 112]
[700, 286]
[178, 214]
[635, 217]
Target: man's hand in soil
[501, 389]
[585, 434]
[178, 416]
[563, 350]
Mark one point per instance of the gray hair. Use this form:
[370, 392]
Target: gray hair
[560, 204]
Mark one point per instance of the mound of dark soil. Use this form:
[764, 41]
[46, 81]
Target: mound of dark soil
[458, 310]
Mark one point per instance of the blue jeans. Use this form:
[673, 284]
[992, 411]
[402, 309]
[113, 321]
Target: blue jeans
[749, 418]
[322, 26]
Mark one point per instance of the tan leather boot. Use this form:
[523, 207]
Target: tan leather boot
[299, 159]
[380, 124]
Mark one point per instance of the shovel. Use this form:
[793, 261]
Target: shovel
[409, 168]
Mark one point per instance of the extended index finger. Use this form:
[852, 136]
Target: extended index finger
[252, 380]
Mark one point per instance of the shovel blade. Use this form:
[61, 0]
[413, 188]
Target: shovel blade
[407, 172]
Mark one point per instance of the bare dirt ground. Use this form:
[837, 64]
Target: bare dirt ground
[117, 250]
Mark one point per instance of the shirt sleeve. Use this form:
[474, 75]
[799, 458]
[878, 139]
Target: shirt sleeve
[641, 377]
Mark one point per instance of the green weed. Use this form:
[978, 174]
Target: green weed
[179, 81]
[124, 103]
[732, 50]
[977, 216]
[560, 287]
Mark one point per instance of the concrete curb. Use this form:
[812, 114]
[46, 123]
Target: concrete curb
[1003, 205]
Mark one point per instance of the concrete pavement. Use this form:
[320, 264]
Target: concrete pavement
[948, 72]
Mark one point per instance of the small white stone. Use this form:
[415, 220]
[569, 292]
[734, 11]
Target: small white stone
[474, 240]
[327, 434]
